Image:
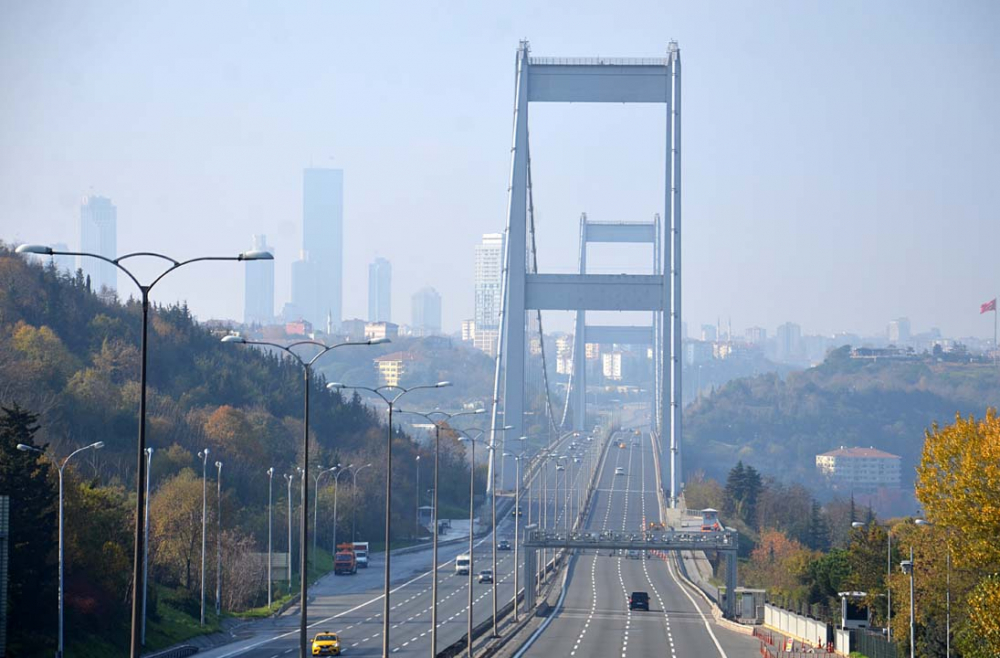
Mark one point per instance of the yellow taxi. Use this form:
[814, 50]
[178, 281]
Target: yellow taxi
[326, 644]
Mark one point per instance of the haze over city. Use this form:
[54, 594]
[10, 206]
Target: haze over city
[839, 157]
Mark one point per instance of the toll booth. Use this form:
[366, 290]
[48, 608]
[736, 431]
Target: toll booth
[750, 605]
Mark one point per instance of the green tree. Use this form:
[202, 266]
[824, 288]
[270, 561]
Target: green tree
[818, 537]
[25, 478]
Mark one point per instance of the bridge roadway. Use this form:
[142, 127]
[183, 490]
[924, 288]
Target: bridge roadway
[594, 619]
[352, 605]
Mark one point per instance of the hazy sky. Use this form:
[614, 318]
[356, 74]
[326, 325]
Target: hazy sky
[841, 159]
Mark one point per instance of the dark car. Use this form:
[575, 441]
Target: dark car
[503, 545]
[486, 576]
[638, 601]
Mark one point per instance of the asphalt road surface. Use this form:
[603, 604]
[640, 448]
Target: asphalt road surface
[352, 605]
[594, 619]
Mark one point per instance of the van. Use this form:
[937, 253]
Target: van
[462, 565]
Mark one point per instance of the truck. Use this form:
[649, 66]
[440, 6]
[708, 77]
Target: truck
[462, 565]
[345, 562]
[361, 554]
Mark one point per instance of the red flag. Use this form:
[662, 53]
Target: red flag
[988, 306]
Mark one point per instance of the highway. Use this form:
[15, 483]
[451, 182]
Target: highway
[352, 605]
[594, 619]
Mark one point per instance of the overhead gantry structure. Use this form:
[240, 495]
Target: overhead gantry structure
[594, 80]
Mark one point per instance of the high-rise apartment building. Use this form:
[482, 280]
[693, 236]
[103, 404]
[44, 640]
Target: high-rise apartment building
[788, 339]
[426, 312]
[99, 235]
[489, 270]
[258, 286]
[380, 291]
[898, 331]
[323, 245]
[756, 335]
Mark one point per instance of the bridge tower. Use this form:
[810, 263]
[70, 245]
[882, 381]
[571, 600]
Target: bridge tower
[593, 80]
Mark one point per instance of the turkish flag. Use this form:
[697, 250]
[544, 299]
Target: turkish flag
[988, 306]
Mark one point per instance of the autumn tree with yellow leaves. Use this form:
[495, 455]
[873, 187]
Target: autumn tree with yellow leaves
[958, 484]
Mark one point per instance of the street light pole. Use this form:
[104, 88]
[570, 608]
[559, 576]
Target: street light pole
[270, 561]
[472, 548]
[316, 478]
[145, 551]
[354, 503]
[416, 528]
[23, 447]
[336, 495]
[289, 479]
[517, 520]
[390, 400]
[138, 580]
[218, 542]
[888, 575]
[304, 521]
[907, 567]
[434, 504]
[204, 511]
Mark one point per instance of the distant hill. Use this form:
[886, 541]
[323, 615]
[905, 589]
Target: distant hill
[780, 425]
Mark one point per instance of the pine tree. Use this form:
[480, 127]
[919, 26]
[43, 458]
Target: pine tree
[818, 533]
[24, 477]
[734, 491]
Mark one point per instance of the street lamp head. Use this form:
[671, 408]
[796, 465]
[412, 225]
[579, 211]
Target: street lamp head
[506, 427]
[857, 524]
[923, 522]
[270, 472]
[379, 341]
[218, 464]
[233, 338]
[203, 454]
[442, 384]
[335, 386]
[40, 249]
[418, 457]
[23, 447]
[256, 254]
[149, 451]
[906, 566]
[97, 445]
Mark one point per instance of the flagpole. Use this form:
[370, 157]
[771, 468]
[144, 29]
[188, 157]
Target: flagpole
[995, 350]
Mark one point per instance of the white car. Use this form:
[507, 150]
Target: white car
[619, 470]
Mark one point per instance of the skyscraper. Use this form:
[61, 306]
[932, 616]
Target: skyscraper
[258, 289]
[380, 291]
[304, 295]
[322, 245]
[427, 312]
[489, 268]
[99, 235]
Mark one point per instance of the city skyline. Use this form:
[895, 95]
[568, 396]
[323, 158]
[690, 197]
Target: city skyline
[772, 233]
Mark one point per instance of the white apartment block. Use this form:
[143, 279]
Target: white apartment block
[860, 468]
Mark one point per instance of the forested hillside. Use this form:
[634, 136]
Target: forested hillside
[69, 363]
[780, 425]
